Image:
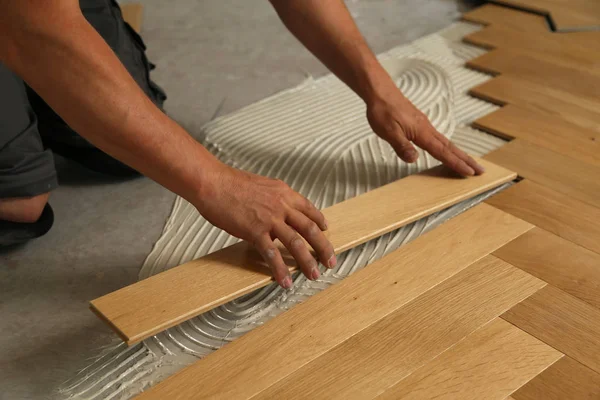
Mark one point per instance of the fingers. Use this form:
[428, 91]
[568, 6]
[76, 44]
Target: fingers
[298, 249]
[404, 148]
[443, 150]
[310, 231]
[461, 154]
[306, 207]
[272, 257]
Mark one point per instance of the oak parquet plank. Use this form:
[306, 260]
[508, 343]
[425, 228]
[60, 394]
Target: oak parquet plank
[565, 379]
[392, 348]
[490, 363]
[564, 174]
[560, 214]
[551, 132]
[132, 14]
[557, 261]
[496, 15]
[271, 352]
[566, 14]
[563, 322]
[151, 305]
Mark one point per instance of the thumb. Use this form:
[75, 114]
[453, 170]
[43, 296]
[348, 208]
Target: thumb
[404, 148]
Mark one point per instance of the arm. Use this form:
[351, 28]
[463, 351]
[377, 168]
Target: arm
[326, 28]
[55, 50]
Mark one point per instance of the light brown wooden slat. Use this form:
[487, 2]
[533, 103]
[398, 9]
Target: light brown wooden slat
[563, 174]
[531, 67]
[563, 321]
[565, 379]
[389, 350]
[562, 215]
[541, 98]
[557, 261]
[551, 132]
[566, 14]
[269, 353]
[488, 364]
[517, 20]
[132, 14]
[152, 305]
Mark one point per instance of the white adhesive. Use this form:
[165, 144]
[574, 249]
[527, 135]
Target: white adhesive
[316, 138]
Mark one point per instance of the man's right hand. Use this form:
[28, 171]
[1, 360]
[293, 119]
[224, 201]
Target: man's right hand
[259, 210]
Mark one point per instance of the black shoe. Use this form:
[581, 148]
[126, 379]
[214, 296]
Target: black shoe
[12, 233]
[105, 16]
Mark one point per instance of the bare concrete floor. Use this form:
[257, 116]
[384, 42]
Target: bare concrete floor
[207, 52]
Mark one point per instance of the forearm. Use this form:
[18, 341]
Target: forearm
[327, 29]
[69, 65]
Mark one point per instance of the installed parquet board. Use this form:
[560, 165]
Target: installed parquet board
[547, 131]
[488, 364]
[389, 350]
[562, 321]
[560, 214]
[557, 261]
[331, 317]
[151, 305]
[565, 379]
[518, 21]
[567, 15]
[564, 174]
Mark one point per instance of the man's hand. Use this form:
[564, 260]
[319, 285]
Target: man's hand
[259, 210]
[396, 120]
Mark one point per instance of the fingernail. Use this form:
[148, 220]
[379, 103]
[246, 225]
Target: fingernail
[325, 225]
[332, 261]
[480, 168]
[315, 274]
[287, 282]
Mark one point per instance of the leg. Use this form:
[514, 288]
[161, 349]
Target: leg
[27, 172]
[105, 16]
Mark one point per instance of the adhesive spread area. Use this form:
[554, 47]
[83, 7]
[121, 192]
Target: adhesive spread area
[316, 138]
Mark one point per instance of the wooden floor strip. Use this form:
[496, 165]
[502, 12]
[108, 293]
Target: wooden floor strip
[565, 379]
[571, 15]
[132, 14]
[550, 132]
[555, 212]
[557, 261]
[271, 352]
[152, 305]
[490, 363]
[517, 20]
[562, 321]
[544, 99]
[391, 349]
[566, 175]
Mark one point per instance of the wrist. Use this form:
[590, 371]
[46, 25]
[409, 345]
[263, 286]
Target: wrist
[375, 84]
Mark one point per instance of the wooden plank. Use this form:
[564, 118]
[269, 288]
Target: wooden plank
[564, 174]
[566, 15]
[488, 364]
[557, 261]
[563, 321]
[391, 349]
[541, 98]
[151, 305]
[132, 14]
[271, 352]
[557, 213]
[531, 67]
[522, 21]
[565, 379]
[548, 131]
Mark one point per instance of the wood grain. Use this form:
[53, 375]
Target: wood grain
[565, 379]
[540, 70]
[326, 320]
[557, 213]
[557, 261]
[548, 131]
[521, 21]
[574, 14]
[132, 14]
[152, 305]
[564, 174]
[544, 99]
[563, 321]
[488, 364]
[381, 355]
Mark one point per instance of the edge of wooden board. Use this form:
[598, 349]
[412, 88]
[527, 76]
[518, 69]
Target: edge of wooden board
[241, 268]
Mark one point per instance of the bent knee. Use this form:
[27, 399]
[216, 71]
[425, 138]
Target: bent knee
[23, 209]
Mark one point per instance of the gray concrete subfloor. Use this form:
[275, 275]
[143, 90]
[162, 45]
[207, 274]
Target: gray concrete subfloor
[206, 52]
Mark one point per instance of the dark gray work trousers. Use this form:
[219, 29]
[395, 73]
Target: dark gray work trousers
[30, 131]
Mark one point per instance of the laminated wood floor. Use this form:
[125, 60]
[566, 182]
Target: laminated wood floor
[501, 302]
